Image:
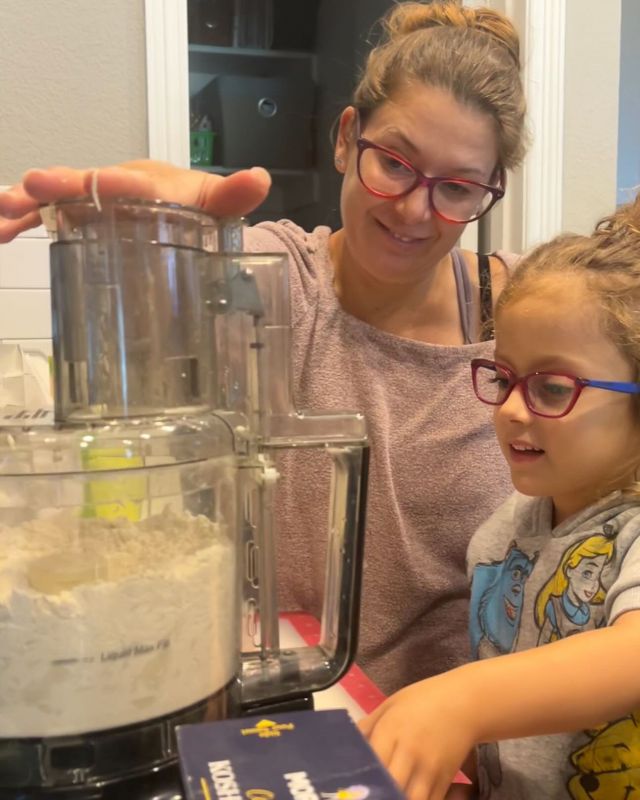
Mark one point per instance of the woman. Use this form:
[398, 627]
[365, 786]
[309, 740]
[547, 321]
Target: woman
[386, 314]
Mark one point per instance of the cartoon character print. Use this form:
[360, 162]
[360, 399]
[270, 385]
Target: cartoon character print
[497, 595]
[608, 766]
[356, 792]
[572, 599]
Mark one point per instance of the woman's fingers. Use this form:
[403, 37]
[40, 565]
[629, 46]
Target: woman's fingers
[15, 202]
[10, 228]
[19, 205]
[56, 183]
[237, 195]
[234, 195]
[63, 183]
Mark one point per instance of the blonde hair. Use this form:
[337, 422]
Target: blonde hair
[608, 261]
[594, 546]
[472, 53]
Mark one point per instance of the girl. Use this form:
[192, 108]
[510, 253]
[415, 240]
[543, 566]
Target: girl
[556, 570]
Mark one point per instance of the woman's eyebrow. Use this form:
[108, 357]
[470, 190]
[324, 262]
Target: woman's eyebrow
[459, 171]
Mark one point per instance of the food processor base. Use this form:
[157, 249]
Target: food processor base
[162, 784]
[158, 783]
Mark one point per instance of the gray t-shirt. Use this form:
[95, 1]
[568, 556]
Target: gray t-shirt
[533, 584]
[436, 471]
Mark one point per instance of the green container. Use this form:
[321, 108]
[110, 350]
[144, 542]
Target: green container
[202, 148]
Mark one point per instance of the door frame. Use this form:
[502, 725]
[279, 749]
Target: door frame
[167, 45]
[532, 209]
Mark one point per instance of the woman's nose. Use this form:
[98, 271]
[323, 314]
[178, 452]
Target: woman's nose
[415, 206]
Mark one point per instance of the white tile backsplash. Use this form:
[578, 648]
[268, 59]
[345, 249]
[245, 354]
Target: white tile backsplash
[25, 312]
[44, 346]
[36, 233]
[24, 264]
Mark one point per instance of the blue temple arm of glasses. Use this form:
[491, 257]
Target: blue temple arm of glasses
[613, 386]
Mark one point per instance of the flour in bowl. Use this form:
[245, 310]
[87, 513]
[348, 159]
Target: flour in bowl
[111, 622]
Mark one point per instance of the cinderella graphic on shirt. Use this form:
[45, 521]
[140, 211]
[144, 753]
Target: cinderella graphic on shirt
[572, 599]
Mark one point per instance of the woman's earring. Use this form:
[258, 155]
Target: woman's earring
[339, 162]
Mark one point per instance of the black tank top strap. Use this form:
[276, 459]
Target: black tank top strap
[486, 302]
[465, 294]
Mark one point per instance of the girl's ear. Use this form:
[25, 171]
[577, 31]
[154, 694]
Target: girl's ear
[346, 137]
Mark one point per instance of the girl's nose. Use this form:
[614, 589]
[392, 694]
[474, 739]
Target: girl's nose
[514, 407]
[415, 206]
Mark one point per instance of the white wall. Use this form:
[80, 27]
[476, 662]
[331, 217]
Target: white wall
[72, 91]
[72, 83]
[587, 175]
[629, 113]
[592, 73]
[25, 310]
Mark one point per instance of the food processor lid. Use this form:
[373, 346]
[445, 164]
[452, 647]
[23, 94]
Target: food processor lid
[114, 445]
[133, 306]
[161, 222]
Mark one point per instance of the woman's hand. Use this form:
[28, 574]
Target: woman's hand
[235, 195]
[422, 734]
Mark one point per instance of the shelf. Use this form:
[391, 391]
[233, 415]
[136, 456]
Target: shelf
[254, 52]
[275, 171]
[291, 190]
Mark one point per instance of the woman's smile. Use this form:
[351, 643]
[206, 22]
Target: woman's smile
[400, 237]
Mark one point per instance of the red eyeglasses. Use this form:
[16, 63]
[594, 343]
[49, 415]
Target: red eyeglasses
[547, 394]
[384, 173]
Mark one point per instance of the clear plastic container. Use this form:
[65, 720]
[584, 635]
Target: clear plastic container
[128, 336]
[137, 537]
[119, 582]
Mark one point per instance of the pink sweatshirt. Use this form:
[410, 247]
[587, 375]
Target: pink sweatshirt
[436, 470]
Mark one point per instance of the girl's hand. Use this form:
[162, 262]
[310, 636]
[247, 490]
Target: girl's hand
[235, 195]
[422, 734]
[460, 791]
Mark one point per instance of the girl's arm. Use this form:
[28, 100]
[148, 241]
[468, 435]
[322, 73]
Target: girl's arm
[424, 732]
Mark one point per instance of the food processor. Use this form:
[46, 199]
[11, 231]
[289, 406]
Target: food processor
[138, 532]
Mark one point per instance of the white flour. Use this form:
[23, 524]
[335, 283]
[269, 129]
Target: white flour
[111, 622]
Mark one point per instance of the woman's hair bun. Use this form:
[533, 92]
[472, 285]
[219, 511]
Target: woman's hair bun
[407, 17]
